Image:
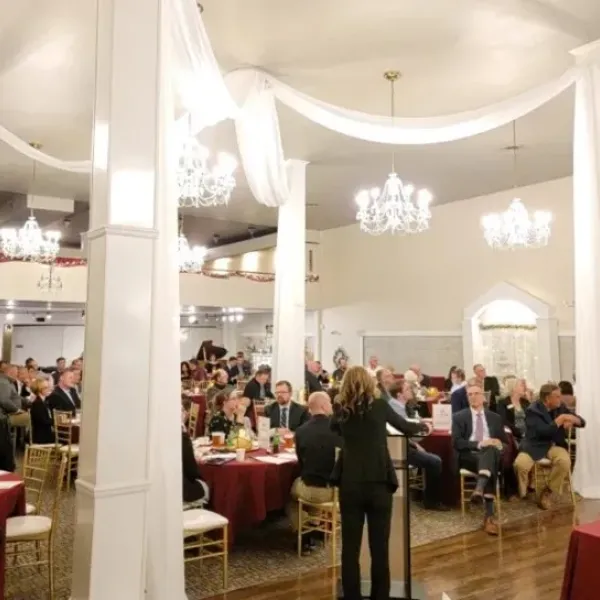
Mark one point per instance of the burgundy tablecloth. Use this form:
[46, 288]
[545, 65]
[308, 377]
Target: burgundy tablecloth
[245, 492]
[12, 503]
[440, 443]
[581, 580]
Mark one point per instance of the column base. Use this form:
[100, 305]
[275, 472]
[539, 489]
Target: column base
[397, 591]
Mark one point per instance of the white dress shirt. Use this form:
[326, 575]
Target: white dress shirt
[486, 430]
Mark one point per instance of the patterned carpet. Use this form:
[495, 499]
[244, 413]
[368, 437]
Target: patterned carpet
[265, 553]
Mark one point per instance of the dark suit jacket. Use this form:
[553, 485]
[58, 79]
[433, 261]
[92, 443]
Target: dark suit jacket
[459, 399]
[462, 430]
[42, 423]
[508, 414]
[192, 489]
[297, 416]
[425, 381]
[252, 390]
[59, 400]
[542, 432]
[315, 446]
[312, 382]
[491, 385]
[365, 457]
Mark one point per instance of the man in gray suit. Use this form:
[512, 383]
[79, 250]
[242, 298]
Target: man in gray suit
[10, 401]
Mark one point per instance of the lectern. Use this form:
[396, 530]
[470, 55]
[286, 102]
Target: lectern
[403, 587]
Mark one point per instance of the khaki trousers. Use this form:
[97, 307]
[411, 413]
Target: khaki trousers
[559, 470]
[301, 491]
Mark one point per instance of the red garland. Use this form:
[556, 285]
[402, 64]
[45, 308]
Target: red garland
[213, 273]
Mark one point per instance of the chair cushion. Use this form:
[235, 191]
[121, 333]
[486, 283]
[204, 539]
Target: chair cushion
[17, 527]
[199, 520]
[42, 445]
[544, 462]
[74, 449]
[30, 509]
[466, 473]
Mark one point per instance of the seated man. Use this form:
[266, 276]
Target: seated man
[284, 414]
[478, 437]
[316, 444]
[547, 423]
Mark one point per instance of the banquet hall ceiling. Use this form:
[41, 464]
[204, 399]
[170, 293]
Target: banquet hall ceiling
[454, 56]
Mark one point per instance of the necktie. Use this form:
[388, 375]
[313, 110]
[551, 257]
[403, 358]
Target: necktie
[283, 417]
[479, 428]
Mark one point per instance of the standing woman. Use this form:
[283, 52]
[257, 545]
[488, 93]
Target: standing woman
[366, 478]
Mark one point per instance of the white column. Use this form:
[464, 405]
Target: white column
[289, 304]
[586, 217]
[128, 540]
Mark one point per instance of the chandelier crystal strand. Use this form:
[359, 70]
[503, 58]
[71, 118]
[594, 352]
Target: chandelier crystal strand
[50, 281]
[514, 228]
[191, 258]
[199, 185]
[396, 209]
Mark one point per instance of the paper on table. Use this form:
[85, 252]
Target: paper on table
[280, 459]
[7, 485]
[221, 456]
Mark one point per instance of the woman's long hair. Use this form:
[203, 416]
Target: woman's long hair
[357, 392]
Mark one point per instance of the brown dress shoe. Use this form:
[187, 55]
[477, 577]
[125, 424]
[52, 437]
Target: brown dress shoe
[544, 501]
[490, 526]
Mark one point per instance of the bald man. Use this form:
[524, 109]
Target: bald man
[315, 447]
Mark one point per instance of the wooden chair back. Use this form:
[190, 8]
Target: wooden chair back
[63, 427]
[193, 419]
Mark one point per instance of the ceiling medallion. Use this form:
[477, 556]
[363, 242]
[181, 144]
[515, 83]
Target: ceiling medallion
[395, 209]
[200, 185]
[515, 228]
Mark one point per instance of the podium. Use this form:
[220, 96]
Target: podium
[403, 587]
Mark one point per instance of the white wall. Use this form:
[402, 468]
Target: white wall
[422, 283]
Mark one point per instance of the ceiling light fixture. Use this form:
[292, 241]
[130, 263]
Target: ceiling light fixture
[10, 317]
[50, 282]
[393, 209]
[514, 228]
[30, 242]
[191, 258]
[199, 185]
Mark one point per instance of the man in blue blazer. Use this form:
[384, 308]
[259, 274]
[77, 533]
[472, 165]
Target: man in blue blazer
[548, 422]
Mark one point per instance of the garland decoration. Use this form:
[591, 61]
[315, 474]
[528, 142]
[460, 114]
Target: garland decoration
[508, 326]
[258, 277]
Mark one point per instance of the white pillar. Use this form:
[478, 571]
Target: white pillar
[128, 540]
[586, 217]
[289, 304]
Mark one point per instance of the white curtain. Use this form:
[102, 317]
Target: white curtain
[586, 217]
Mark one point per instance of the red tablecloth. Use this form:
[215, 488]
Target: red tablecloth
[12, 503]
[440, 443]
[581, 580]
[245, 492]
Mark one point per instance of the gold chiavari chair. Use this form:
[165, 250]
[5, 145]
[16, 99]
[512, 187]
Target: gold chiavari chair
[193, 419]
[416, 479]
[324, 518]
[63, 431]
[36, 466]
[572, 445]
[203, 386]
[25, 536]
[197, 546]
[468, 482]
[541, 476]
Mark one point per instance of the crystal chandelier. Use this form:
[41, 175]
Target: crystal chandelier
[395, 209]
[515, 228]
[50, 281]
[199, 185]
[232, 315]
[30, 242]
[191, 258]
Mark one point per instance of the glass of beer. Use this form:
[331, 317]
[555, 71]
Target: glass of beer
[218, 439]
[288, 441]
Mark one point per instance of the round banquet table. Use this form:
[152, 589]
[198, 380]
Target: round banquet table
[581, 578]
[440, 443]
[244, 492]
[12, 503]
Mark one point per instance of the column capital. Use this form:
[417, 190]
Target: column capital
[587, 54]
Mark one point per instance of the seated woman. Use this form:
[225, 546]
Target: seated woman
[230, 408]
[186, 375]
[195, 491]
[458, 380]
[513, 406]
[42, 423]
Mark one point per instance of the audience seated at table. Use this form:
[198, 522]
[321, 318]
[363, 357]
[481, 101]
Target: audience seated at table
[489, 384]
[229, 415]
[311, 379]
[403, 400]
[239, 368]
[285, 414]
[548, 422]
[316, 444]
[422, 379]
[195, 491]
[567, 395]
[322, 374]
[42, 423]
[10, 400]
[198, 371]
[478, 437]
[340, 371]
[457, 380]
[219, 383]
[64, 397]
[512, 408]
[185, 371]
[258, 389]
[373, 366]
